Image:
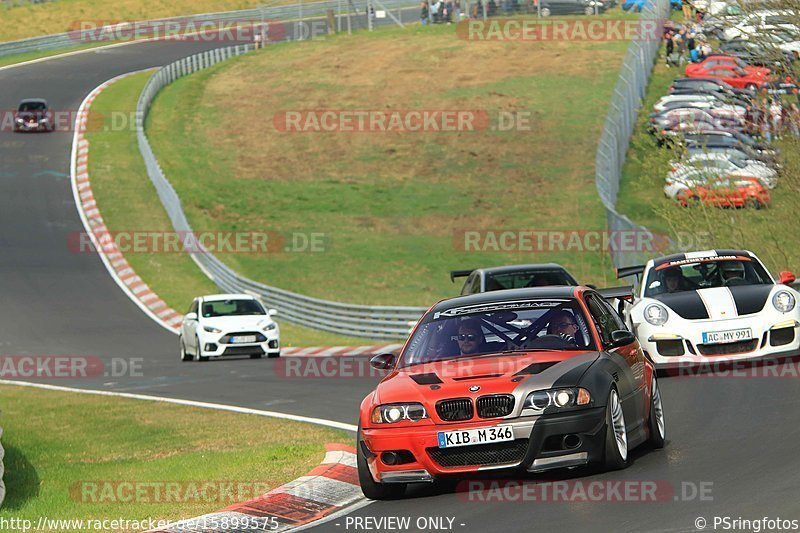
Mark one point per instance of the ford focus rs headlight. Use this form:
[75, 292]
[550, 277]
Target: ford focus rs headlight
[211, 329]
[656, 315]
[783, 301]
[559, 398]
[391, 413]
[269, 327]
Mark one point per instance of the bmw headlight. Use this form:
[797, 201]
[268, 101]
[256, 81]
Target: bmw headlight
[558, 398]
[212, 329]
[397, 412]
[783, 301]
[656, 314]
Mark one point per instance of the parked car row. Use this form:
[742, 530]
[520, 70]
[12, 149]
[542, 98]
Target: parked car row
[711, 118]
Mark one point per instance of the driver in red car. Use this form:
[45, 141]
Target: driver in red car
[470, 337]
[563, 324]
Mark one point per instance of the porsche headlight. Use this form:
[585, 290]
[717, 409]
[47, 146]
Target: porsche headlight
[19, 120]
[397, 412]
[783, 301]
[212, 329]
[559, 398]
[656, 315]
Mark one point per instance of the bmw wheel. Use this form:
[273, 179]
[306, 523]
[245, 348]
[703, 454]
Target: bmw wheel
[616, 453]
[372, 489]
[657, 423]
[184, 356]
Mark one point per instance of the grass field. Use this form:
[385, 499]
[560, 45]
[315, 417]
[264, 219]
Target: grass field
[770, 233]
[391, 205]
[59, 447]
[64, 15]
[128, 203]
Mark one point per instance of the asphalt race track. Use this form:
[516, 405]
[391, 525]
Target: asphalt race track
[736, 437]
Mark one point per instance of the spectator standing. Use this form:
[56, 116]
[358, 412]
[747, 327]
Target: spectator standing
[435, 11]
[424, 12]
[776, 117]
[448, 11]
[794, 120]
[457, 10]
[669, 46]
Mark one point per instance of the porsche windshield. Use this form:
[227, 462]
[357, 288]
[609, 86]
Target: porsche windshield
[496, 327]
[682, 276]
[32, 107]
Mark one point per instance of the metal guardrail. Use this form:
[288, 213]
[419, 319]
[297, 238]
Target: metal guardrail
[618, 129]
[375, 322]
[263, 14]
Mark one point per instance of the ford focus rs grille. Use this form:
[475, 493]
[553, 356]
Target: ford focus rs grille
[498, 453]
[456, 409]
[729, 348]
[494, 406]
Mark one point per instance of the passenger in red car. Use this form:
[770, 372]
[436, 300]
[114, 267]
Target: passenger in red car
[470, 337]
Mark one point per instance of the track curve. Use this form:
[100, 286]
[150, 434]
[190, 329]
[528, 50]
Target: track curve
[738, 433]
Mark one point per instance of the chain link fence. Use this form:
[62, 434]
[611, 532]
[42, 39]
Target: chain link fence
[374, 322]
[620, 121]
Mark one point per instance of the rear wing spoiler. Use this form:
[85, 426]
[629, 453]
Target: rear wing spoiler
[624, 272]
[617, 293]
[460, 274]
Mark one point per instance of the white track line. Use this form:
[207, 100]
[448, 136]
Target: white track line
[190, 403]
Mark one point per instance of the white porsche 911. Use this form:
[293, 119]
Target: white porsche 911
[715, 305]
[222, 325]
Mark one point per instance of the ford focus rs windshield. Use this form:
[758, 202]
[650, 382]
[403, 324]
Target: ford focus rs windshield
[232, 308]
[690, 275]
[500, 327]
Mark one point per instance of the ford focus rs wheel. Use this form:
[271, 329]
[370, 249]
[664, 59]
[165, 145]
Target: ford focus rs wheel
[656, 420]
[370, 488]
[199, 355]
[616, 456]
[184, 356]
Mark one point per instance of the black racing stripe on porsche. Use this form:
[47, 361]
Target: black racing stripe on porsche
[750, 299]
[686, 304]
[426, 379]
[535, 368]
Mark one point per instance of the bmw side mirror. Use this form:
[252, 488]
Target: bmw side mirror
[622, 337]
[272, 312]
[787, 277]
[383, 361]
[190, 316]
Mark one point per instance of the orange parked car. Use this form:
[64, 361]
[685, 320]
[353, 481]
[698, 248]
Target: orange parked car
[732, 191]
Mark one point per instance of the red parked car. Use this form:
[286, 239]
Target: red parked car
[732, 191]
[732, 75]
[713, 61]
[527, 379]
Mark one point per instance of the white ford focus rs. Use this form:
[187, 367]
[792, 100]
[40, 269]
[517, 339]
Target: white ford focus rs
[716, 305]
[222, 325]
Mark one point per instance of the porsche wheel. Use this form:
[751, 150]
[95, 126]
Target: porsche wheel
[616, 453]
[372, 489]
[588, 11]
[545, 11]
[656, 421]
[184, 356]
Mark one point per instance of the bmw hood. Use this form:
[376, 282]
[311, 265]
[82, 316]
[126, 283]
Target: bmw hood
[472, 377]
[718, 302]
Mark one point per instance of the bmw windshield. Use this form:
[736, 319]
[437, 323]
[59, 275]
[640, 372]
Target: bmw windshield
[680, 276]
[493, 328]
